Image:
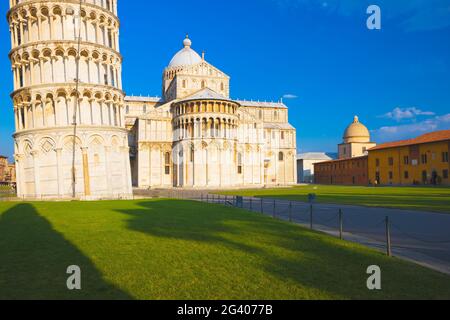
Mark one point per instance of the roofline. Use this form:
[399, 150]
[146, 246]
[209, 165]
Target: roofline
[406, 144]
[340, 144]
[342, 160]
[206, 99]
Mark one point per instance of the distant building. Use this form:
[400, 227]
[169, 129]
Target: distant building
[422, 160]
[305, 165]
[352, 166]
[7, 171]
[418, 161]
[351, 171]
[356, 141]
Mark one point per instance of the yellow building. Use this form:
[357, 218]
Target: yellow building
[422, 160]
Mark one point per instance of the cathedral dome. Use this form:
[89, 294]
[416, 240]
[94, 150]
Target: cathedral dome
[186, 56]
[356, 132]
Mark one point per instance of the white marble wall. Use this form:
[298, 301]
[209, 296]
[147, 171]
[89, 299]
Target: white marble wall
[44, 39]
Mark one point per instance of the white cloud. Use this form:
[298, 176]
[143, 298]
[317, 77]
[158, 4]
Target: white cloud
[290, 96]
[406, 131]
[399, 114]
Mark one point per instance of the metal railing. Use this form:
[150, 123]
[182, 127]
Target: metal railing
[382, 233]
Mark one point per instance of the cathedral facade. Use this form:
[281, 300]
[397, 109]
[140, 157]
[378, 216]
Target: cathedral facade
[196, 136]
[78, 135]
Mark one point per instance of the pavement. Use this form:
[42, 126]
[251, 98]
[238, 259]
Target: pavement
[421, 237]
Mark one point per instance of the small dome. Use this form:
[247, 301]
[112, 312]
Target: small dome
[356, 132]
[186, 56]
[187, 42]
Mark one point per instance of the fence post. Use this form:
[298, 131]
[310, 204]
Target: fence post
[388, 237]
[341, 225]
[274, 208]
[311, 216]
[290, 211]
[207, 198]
[251, 204]
[262, 206]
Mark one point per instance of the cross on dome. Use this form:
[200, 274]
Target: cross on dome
[187, 42]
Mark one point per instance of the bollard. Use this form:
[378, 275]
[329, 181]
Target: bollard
[251, 204]
[226, 200]
[311, 217]
[207, 198]
[388, 238]
[201, 197]
[341, 225]
[262, 206]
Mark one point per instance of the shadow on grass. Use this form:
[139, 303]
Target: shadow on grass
[34, 258]
[314, 262]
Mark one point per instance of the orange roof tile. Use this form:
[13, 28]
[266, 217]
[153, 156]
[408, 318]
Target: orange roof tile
[426, 138]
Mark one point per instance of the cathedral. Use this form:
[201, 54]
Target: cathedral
[79, 135]
[196, 136]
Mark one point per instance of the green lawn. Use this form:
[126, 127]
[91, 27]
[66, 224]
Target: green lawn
[415, 198]
[169, 249]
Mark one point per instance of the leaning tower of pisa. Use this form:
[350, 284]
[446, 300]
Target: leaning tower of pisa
[70, 137]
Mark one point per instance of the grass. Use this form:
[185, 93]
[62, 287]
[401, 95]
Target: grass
[412, 198]
[170, 249]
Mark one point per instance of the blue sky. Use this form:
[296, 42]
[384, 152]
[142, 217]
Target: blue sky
[396, 79]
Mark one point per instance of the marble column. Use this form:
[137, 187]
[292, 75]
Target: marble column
[87, 182]
[108, 169]
[18, 160]
[37, 176]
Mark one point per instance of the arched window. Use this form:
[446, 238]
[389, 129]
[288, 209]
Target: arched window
[113, 80]
[192, 155]
[239, 163]
[281, 156]
[167, 163]
[145, 108]
[127, 109]
[260, 116]
[211, 128]
[203, 84]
